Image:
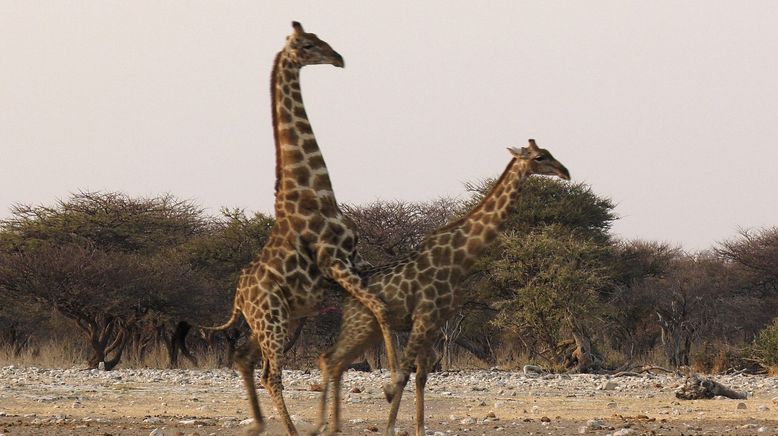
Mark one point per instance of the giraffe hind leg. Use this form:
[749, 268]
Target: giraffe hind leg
[321, 425]
[421, 334]
[246, 358]
[358, 331]
[352, 283]
[273, 335]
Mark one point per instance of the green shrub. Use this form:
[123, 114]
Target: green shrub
[765, 347]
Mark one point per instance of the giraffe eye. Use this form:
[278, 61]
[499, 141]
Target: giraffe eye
[307, 46]
[540, 158]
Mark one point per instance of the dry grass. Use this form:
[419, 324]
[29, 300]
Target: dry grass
[49, 354]
[69, 352]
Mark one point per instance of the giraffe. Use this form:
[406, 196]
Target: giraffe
[311, 241]
[420, 288]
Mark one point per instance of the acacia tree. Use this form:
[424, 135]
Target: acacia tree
[104, 260]
[753, 256]
[108, 220]
[549, 274]
[229, 243]
[105, 293]
[550, 284]
[757, 253]
[390, 229]
[688, 300]
[633, 325]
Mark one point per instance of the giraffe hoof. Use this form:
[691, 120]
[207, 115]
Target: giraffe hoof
[255, 429]
[389, 392]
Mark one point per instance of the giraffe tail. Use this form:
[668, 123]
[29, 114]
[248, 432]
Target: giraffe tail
[233, 317]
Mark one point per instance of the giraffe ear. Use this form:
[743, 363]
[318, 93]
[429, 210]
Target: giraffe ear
[532, 146]
[298, 28]
[521, 153]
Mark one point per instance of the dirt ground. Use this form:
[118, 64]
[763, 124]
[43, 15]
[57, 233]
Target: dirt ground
[35, 401]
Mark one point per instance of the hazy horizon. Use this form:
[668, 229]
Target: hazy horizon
[668, 108]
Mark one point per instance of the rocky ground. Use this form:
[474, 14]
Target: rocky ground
[38, 401]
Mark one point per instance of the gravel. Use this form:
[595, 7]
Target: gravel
[463, 402]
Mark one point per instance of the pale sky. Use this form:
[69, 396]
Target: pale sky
[670, 108]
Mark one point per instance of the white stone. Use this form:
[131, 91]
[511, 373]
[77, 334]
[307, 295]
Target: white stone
[532, 370]
[595, 424]
[230, 423]
[156, 432]
[247, 421]
[152, 420]
[623, 432]
[468, 421]
[608, 385]
[763, 408]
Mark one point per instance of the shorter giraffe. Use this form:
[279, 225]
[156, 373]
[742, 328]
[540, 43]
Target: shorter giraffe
[420, 288]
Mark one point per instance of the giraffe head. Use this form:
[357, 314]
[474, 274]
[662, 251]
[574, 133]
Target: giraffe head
[539, 161]
[307, 49]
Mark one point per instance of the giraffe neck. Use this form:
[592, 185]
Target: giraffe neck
[299, 162]
[460, 242]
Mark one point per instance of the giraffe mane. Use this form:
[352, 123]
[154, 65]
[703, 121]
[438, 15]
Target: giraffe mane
[273, 90]
[458, 222]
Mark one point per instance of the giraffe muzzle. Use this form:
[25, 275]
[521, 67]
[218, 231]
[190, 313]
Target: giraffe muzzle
[338, 62]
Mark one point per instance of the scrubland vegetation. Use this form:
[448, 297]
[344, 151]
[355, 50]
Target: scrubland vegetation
[102, 277]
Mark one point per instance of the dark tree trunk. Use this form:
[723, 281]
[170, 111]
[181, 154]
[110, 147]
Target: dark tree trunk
[582, 354]
[677, 340]
[178, 343]
[107, 337]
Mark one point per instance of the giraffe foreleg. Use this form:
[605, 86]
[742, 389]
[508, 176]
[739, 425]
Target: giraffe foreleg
[421, 333]
[423, 365]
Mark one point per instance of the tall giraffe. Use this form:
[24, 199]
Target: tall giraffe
[420, 288]
[310, 242]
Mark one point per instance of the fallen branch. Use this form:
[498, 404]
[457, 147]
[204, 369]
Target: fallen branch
[696, 388]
